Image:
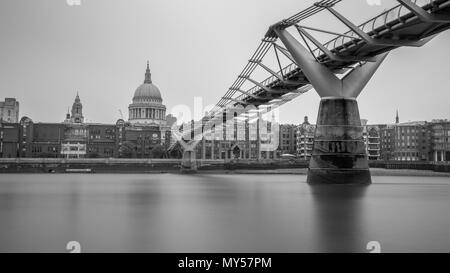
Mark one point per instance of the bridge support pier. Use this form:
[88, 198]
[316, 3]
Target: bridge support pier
[339, 155]
[188, 162]
[189, 159]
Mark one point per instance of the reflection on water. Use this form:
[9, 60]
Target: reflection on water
[339, 217]
[220, 213]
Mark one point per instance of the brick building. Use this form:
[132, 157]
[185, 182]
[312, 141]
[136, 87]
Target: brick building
[440, 140]
[9, 135]
[139, 137]
[408, 141]
[305, 139]
[288, 139]
[239, 139]
[9, 111]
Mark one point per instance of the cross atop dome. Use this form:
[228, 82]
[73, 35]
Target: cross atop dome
[148, 75]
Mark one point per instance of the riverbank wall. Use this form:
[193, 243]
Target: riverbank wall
[117, 165]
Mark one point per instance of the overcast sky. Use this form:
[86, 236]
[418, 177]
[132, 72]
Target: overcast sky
[50, 50]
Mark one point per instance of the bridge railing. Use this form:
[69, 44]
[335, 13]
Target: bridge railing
[373, 25]
[269, 81]
[338, 43]
[388, 20]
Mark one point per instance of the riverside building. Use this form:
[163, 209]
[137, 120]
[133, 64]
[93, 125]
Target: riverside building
[9, 111]
[144, 134]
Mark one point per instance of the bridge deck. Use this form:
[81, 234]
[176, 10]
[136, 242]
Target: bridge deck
[406, 27]
[398, 25]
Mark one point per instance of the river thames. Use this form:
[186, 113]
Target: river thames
[221, 213]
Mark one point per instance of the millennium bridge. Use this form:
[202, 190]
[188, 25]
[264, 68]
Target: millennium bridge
[337, 69]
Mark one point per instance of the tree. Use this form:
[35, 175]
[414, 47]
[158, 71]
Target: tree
[46, 155]
[127, 150]
[93, 155]
[158, 151]
[175, 152]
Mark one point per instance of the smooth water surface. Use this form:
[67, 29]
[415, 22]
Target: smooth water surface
[220, 213]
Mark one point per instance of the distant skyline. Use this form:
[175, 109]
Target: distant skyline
[196, 48]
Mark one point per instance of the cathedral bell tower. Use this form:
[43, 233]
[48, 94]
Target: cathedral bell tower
[77, 111]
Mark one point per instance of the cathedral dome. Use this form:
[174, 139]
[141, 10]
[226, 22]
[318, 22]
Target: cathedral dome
[147, 92]
[147, 107]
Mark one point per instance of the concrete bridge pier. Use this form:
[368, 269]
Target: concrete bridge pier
[338, 155]
[189, 160]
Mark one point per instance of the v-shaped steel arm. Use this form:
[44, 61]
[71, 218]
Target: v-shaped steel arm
[324, 81]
